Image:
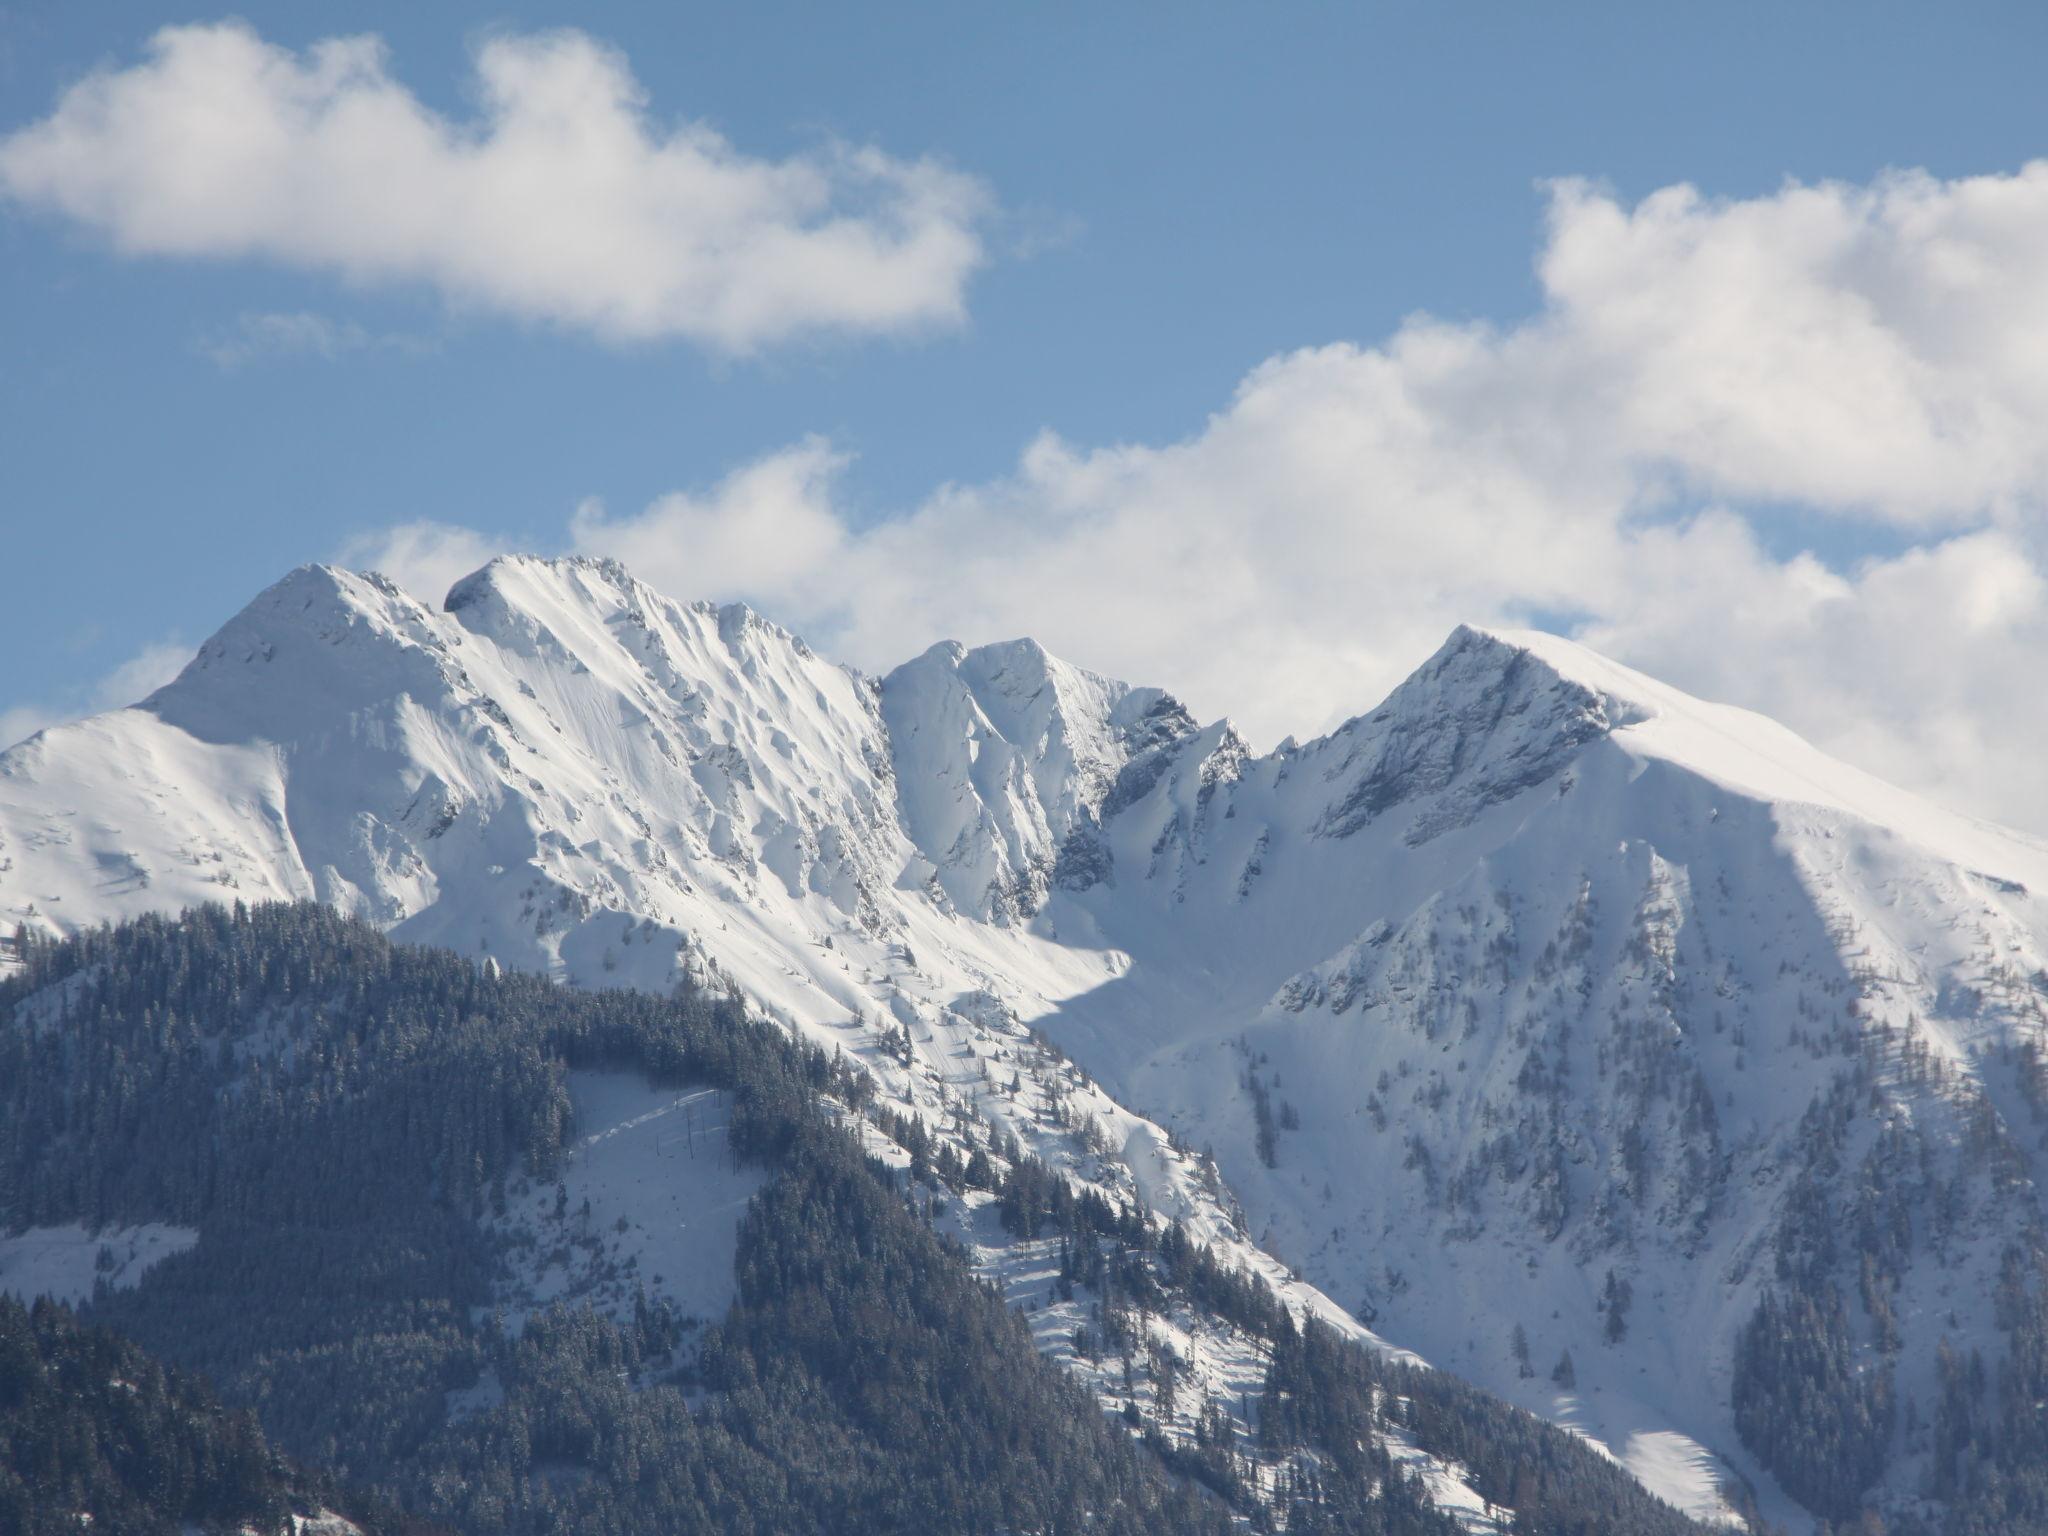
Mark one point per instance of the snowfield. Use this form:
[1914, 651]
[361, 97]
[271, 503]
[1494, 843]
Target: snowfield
[65, 1263]
[648, 1201]
[1532, 976]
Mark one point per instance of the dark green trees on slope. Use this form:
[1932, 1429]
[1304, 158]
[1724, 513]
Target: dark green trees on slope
[95, 1434]
[334, 1113]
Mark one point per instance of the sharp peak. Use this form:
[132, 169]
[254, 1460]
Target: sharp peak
[955, 652]
[515, 580]
[1480, 677]
[1024, 651]
[1498, 653]
[320, 578]
[501, 574]
[321, 588]
[1629, 697]
[1553, 650]
[1746, 752]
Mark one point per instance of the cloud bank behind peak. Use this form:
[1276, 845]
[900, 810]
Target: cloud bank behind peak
[1781, 451]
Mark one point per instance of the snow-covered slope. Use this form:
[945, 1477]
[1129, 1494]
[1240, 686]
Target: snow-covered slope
[1538, 972]
[561, 770]
[1545, 971]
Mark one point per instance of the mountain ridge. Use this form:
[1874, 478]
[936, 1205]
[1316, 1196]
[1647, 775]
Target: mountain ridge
[1546, 967]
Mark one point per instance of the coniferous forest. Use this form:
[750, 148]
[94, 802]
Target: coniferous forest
[336, 1115]
[89, 1422]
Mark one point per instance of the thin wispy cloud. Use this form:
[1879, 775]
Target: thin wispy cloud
[129, 682]
[566, 200]
[259, 337]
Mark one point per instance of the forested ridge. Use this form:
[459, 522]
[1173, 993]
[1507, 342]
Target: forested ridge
[94, 1432]
[335, 1113]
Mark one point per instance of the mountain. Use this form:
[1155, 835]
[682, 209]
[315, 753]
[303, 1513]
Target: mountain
[408, 1247]
[532, 1260]
[1543, 974]
[1542, 1015]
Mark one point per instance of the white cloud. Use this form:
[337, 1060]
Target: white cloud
[1918, 667]
[1701, 377]
[426, 558]
[1875, 355]
[769, 527]
[1871, 350]
[564, 201]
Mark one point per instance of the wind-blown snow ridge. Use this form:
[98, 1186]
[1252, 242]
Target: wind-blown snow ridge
[1757, 757]
[1536, 972]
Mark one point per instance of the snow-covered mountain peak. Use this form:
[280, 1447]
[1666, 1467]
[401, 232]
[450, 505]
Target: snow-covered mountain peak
[319, 596]
[319, 638]
[1482, 720]
[1753, 756]
[531, 593]
[1007, 756]
[1537, 971]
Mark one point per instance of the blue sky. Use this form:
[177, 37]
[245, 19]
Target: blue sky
[1171, 196]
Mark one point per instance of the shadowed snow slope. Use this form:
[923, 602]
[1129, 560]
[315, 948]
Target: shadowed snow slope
[1539, 972]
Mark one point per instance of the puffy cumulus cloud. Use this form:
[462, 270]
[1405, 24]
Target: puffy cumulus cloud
[769, 528]
[1285, 564]
[1869, 350]
[1701, 379]
[564, 201]
[426, 558]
